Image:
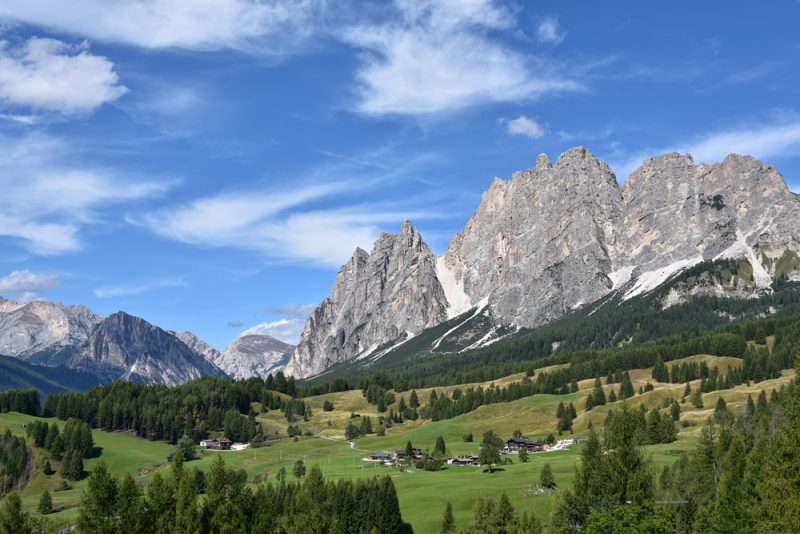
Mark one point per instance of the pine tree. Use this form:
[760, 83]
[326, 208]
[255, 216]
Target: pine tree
[439, 449]
[448, 523]
[598, 396]
[98, 502]
[47, 469]
[626, 387]
[546, 477]
[572, 412]
[12, 519]
[612, 397]
[129, 505]
[413, 401]
[523, 455]
[45, 503]
[696, 398]
[299, 469]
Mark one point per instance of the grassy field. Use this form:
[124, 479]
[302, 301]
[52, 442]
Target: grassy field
[423, 495]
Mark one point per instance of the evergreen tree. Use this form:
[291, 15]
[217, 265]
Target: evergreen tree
[130, 512]
[413, 401]
[546, 477]
[439, 449]
[97, 513]
[45, 503]
[299, 469]
[523, 455]
[47, 469]
[598, 396]
[448, 523]
[12, 519]
[626, 387]
[696, 398]
[612, 397]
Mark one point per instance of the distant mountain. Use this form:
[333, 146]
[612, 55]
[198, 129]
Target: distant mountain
[129, 348]
[254, 355]
[554, 239]
[17, 374]
[39, 327]
[386, 296]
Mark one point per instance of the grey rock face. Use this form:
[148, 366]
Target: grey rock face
[129, 348]
[198, 345]
[254, 355]
[29, 328]
[377, 298]
[560, 236]
[543, 242]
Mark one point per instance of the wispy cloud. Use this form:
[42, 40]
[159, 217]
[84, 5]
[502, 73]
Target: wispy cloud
[234, 324]
[523, 125]
[288, 328]
[317, 221]
[265, 26]
[548, 30]
[26, 285]
[441, 56]
[50, 75]
[763, 140]
[48, 197]
[127, 290]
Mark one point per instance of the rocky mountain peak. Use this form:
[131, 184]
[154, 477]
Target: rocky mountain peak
[385, 297]
[130, 348]
[543, 162]
[254, 355]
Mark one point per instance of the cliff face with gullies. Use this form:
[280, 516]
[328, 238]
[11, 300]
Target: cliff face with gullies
[557, 237]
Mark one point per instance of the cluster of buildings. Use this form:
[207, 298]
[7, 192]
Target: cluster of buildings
[217, 444]
[512, 446]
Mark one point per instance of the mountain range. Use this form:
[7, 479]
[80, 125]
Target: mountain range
[48, 336]
[551, 240]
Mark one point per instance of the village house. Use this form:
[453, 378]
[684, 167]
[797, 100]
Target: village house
[416, 454]
[470, 461]
[380, 456]
[514, 445]
[217, 444]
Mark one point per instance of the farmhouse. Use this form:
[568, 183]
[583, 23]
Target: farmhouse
[217, 444]
[514, 445]
[380, 456]
[470, 461]
[416, 454]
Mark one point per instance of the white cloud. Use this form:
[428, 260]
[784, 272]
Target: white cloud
[288, 328]
[523, 125]
[439, 56]
[549, 31]
[270, 26]
[316, 220]
[50, 75]
[26, 285]
[263, 221]
[47, 198]
[763, 141]
[136, 289]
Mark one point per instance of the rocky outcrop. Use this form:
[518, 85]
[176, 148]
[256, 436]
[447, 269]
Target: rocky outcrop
[560, 236]
[543, 242]
[379, 298]
[198, 345]
[33, 327]
[254, 355]
[124, 347]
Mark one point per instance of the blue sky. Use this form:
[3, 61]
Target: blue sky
[208, 165]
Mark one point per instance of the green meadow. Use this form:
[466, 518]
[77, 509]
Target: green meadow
[422, 494]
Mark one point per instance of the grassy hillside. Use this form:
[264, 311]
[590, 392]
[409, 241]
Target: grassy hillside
[423, 495]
